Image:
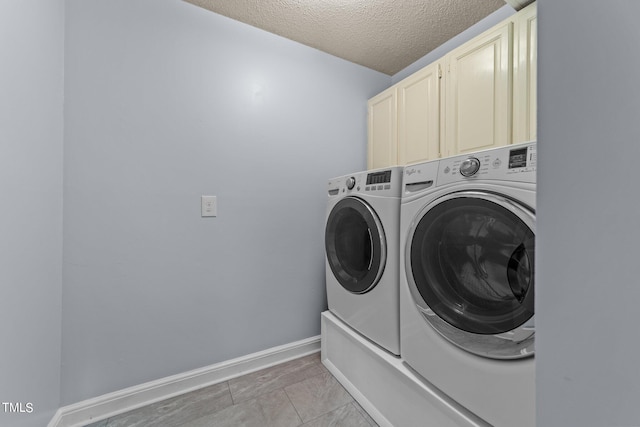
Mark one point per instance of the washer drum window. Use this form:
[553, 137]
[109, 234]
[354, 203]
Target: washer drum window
[470, 265]
[355, 245]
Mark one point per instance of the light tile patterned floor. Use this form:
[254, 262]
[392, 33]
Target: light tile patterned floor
[300, 392]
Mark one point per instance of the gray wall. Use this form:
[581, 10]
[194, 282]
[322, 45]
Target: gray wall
[166, 102]
[588, 250]
[496, 17]
[31, 95]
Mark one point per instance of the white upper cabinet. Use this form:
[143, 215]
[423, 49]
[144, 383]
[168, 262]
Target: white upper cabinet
[419, 116]
[478, 93]
[525, 75]
[382, 130]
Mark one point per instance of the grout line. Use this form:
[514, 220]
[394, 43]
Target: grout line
[322, 374]
[360, 409]
[233, 400]
[362, 413]
[333, 410]
[294, 406]
[285, 372]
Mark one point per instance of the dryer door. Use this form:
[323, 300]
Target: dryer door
[470, 268]
[355, 245]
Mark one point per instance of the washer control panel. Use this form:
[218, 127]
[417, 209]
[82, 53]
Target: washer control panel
[513, 162]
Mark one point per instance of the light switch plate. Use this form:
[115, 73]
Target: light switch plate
[209, 206]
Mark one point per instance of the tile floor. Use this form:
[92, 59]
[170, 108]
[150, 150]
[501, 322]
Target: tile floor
[300, 392]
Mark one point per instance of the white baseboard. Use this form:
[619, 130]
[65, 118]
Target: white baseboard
[108, 405]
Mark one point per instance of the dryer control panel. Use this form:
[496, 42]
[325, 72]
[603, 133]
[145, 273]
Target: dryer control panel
[380, 182]
[513, 163]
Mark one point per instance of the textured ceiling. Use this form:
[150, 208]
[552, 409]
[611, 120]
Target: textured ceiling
[384, 35]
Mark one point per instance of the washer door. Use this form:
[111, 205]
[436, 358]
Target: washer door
[470, 265]
[355, 244]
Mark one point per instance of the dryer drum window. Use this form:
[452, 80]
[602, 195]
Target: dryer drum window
[355, 245]
[472, 262]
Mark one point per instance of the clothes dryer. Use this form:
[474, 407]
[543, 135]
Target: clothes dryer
[467, 281]
[362, 253]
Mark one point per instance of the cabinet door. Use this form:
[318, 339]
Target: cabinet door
[478, 95]
[382, 130]
[525, 75]
[419, 116]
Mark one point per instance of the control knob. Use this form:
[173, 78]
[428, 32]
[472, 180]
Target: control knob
[351, 182]
[469, 167]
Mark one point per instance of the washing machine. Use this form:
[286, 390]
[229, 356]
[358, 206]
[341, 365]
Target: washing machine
[362, 253]
[467, 281]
